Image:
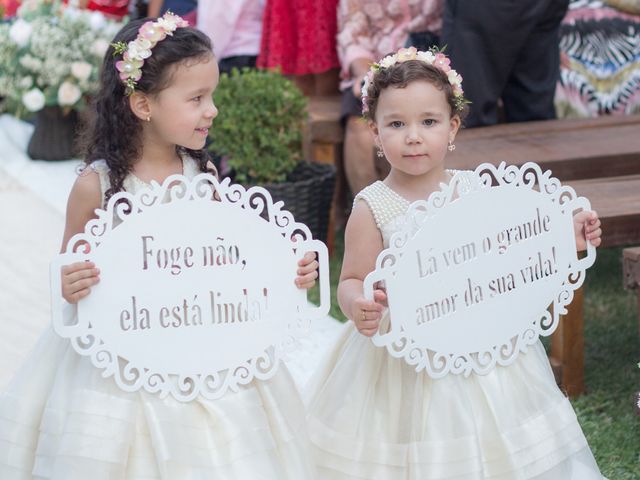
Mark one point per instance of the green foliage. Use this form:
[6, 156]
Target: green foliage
[259, 127]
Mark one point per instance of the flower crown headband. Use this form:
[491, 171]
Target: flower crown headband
[134, 53]
[430, 57]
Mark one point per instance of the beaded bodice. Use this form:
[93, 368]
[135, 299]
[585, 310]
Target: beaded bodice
[389, 209]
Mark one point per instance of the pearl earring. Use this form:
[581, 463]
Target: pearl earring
[451, 147]
[148, 118]
[380, 153]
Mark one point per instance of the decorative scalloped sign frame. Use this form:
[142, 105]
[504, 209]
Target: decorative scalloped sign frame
[480, 270]
[197, 293]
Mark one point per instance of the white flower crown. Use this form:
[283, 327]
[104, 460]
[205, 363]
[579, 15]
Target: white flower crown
[431, 57]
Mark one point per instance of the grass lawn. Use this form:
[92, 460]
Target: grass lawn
[612, 353]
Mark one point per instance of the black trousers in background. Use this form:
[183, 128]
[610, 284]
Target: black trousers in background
[506, 49]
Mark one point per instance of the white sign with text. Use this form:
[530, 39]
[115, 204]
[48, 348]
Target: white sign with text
[480, 270]
[196, 293]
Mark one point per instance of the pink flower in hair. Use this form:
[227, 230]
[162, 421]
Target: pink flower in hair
[442, 62]
[170, 21]
[152, 32]
[129, 68]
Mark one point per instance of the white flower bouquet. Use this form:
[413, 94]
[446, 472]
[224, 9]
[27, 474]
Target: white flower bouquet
[50, 55]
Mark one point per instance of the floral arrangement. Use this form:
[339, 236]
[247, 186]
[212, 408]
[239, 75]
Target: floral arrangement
[50, 55]
[432, 57]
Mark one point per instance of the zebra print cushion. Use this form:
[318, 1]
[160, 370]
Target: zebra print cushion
[600, 61]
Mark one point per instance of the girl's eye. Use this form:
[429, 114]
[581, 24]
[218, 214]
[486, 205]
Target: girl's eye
[396, 124]
[197, 99]
[429, 122]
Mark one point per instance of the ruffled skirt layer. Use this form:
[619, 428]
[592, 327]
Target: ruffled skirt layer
[371, 416]
[59, 419]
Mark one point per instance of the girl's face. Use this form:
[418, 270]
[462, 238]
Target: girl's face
[182, 113]
[413, 125]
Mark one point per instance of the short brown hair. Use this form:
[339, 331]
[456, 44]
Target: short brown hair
[402, 74]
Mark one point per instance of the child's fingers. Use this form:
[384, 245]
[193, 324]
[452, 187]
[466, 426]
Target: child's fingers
[380, 297]
[591, 234]
[82, 274]
[308, 268]
[308, 258]
[80, 284]
[592, 226]
[368, 332]
[368, 316]
[70, 289]
[307, 281]
[75, 267]
[79, 295]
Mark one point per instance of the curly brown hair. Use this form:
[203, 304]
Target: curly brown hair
[112, 132]
[402, 74]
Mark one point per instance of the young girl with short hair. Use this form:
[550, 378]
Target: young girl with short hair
[59, 418]
[372, 416]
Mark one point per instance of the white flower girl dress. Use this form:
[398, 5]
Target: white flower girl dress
[61, 420]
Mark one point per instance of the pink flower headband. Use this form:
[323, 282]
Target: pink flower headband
[431, 57]
[134, 53]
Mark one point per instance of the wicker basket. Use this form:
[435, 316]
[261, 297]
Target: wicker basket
[307, 195]
[54, 135]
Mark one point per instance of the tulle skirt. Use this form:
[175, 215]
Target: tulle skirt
[371, 416]
[59, 419]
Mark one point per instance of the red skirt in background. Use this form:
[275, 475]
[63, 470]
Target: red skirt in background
[299, 36]
[114, 9]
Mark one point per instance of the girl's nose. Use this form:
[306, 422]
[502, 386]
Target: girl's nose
[412, 135]
[212, 111]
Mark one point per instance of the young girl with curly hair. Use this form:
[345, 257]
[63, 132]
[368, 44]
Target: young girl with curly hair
[60, 418]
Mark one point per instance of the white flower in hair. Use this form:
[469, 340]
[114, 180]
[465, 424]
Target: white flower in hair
[427, 57]
[68, 94]
[168, 23]
[388, 61]
[454, 79]
[33, 99]
[139, 49]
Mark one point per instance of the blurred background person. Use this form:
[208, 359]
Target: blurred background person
[368, 30]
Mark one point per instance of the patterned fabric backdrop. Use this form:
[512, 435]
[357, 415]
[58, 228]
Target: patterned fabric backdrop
[600, 61]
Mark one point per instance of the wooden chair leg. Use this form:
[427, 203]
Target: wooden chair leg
[567, 348]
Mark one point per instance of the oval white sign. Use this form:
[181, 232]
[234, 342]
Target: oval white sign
[197, 293]
[471, 278]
